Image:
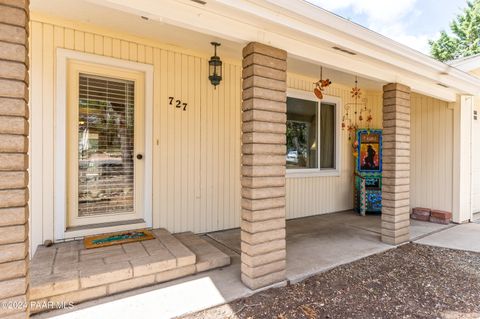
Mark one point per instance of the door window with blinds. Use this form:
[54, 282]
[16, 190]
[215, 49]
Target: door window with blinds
[105, 144]
[312, 134]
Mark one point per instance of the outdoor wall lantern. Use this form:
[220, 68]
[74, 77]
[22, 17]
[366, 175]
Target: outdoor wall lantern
[215, 67]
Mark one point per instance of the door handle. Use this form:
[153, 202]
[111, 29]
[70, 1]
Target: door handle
[139, 156]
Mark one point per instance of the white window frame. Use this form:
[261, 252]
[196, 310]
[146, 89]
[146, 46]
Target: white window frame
[60, 174]
[327, 99]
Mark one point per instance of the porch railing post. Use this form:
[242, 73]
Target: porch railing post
[263, 165]
[14, 19]
[396, 164]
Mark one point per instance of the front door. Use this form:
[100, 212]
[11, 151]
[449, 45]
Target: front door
[105, 145]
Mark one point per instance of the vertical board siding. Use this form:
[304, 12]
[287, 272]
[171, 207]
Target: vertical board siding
[475, 161]
[431, 165]
[308, 196]
[196, 168]
[36, 140]
[196, 153]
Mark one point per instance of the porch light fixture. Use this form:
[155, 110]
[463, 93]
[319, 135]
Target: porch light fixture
[215, 67]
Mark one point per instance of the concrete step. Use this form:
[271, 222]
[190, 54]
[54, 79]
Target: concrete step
[208, 256]
[67, 272]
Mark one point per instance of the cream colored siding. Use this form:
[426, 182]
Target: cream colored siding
[196, 160]
[308, 196]
[431, 166]
[196, 152]
[431, 162]
[475, 163]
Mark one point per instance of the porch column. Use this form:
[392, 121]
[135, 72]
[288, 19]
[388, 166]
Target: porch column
[263, 165]
[396, 164]
[462, 158]
[13, 158]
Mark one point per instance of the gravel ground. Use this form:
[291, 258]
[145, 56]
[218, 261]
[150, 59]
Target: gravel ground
[412, 281]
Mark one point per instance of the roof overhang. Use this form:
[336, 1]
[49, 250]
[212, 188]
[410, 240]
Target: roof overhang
[310, 33]
[467, 64]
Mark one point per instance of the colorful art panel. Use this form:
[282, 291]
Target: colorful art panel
[369, 151]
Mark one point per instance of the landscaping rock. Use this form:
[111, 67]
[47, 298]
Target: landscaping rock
[411, 281]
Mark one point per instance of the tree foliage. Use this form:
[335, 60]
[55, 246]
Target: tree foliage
[464, 38]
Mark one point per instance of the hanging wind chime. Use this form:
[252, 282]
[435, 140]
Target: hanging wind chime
[356, 114]
[321, 85]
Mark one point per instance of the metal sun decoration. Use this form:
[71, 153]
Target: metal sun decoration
[362, 115]
[320, 85]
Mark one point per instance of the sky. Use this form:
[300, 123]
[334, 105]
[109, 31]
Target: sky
[411, 22]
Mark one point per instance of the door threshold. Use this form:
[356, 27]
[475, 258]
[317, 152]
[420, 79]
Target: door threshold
[78, 232]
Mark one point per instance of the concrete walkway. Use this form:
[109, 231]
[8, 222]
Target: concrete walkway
[314, 244]
[461, 237]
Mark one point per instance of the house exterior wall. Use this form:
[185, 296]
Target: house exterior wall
[196, 169]
[197, 158]
[475, 162]
[308, 196]
[467, 129]
[431, 167]
[467, 120]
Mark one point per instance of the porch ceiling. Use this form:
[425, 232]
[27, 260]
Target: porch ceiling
[308, 34]
[187, 40]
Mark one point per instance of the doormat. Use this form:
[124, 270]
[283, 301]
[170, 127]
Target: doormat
[117, 238]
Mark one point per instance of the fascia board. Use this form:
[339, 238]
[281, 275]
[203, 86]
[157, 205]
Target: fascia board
[365, 41]
[221, 24]
[467, 64]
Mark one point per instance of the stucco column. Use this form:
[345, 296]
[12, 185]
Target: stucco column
[13, 158]
[263, 165]
[396, 164]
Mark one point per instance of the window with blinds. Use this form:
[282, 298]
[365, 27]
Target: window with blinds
[105, 146]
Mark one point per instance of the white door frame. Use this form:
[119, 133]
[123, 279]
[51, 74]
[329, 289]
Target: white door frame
[60, 132]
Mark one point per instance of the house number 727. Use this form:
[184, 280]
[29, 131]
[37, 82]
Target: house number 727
[178, 103]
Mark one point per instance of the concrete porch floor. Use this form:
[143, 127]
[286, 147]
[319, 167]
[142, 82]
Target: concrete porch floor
[314, 244]
[319, 243]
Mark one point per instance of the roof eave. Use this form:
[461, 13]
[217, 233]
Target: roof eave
[306, 32]
[455, 77]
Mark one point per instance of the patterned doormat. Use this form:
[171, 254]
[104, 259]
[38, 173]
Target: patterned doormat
[117, 238]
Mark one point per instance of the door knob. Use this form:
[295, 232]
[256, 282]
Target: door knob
[139, 156]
